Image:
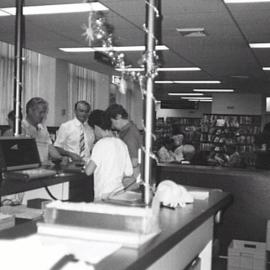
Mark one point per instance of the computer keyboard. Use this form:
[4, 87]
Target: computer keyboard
[29, 174]
[38, 172]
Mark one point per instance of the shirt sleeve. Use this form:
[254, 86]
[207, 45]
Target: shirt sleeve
[133, 142]
[97, 154]
[129, 167]
[49, 140]
[61, 137]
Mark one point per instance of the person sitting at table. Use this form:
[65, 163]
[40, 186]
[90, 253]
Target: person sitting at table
[178, 140]
[262, 144]
[110, 161]
[189, 152]
[216, 156]
[165, 152]
[233, 158]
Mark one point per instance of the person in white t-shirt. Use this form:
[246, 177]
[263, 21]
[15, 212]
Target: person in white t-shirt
[110, 160]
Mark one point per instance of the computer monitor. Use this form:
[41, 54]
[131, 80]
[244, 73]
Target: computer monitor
[18, 153]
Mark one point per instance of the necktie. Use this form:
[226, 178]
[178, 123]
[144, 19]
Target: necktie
[82, 143]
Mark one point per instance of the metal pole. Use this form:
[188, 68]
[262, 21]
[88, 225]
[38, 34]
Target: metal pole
[150, 47]
[18, 67]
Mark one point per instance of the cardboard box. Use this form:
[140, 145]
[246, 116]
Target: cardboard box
[246, 255]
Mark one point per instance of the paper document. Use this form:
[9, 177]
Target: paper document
[21, 211]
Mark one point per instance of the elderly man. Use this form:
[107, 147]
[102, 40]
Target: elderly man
[33, 126]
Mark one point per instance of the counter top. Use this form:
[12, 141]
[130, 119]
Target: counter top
[216, 170]
[8, 186]
[175, 226]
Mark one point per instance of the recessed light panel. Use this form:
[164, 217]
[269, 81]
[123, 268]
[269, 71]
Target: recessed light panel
[244, 1]
[179, 69]
[189, 82]
[259, 45]
[214, 90]
[56, 9]
[197, 82]
[162, 69]
[115, 49]
[192, 32]
[185, 94]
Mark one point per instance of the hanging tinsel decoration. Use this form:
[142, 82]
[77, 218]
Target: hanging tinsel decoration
[99, 33]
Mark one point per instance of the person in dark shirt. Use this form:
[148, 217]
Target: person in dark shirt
[233, 158]
[11, 120]
[128, 132]
[262, 143]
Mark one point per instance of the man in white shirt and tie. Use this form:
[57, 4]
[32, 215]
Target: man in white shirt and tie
[75, 139]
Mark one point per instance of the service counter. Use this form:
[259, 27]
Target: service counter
[246, 218]
[80, 185]
[185, 234]
[11, 186]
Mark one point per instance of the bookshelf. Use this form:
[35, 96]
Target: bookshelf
[172, 125]
[240, 130]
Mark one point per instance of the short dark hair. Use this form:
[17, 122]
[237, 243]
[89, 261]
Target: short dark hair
[116, 109]
[100, 119]
[84, 102]
[11, 115]
[33, 102]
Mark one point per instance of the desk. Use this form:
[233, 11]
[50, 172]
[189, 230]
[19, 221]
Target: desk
[8, 187]
[186, 233]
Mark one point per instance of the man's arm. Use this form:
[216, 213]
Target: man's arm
[72, 155]
[53, 153]
[90, 167]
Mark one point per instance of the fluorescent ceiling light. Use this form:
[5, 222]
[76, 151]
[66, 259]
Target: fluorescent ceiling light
[244, 1]
[259, 45]
[201, 100]
[195, 29]
[185, 94]
[213, 90]
[179, 69]
[2, 13]
[266, 68]
[189, 82]
[55, 9]
[192, 32]
[162, 69]
[197, 98]
[130, 69]
[164, 82]
[116, 49]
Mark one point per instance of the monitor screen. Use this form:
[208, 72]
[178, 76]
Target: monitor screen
[18, 153]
